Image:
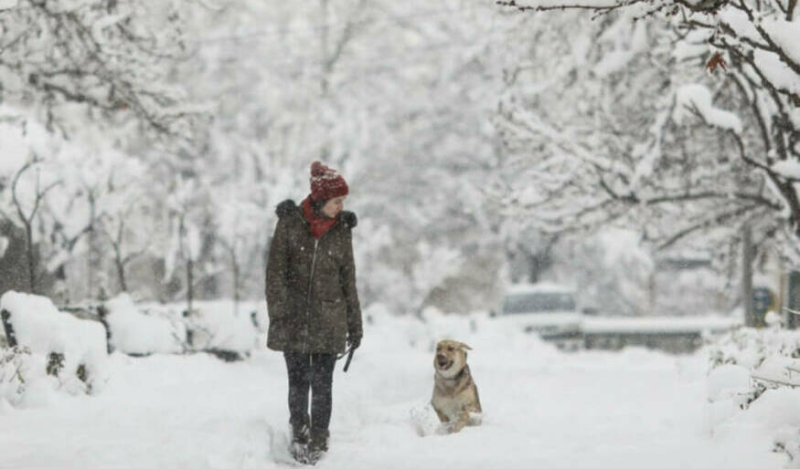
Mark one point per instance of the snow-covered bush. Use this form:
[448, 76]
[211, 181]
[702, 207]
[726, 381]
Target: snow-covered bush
[763, 353]
[52, 348]
[222, 327]
[225, 328]
[136, 331]
[24, 381]
[238, 331]
[749, 347]
[753, 382]
[14, 367]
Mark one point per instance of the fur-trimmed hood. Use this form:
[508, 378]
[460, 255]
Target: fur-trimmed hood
[289, 207]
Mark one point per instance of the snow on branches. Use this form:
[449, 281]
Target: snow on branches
[697, 99]
[111, 56]
[719, 121]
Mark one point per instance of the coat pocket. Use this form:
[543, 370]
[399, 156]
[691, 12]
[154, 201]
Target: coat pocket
[277, 333]
[334, 316]
[334, 308]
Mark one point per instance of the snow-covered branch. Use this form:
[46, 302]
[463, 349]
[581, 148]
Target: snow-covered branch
[693, 160]
[112, 56]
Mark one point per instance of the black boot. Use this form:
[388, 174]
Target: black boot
[300, 440]
[318, 446]
[300, 434]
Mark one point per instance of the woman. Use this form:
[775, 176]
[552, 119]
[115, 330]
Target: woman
[313, 305]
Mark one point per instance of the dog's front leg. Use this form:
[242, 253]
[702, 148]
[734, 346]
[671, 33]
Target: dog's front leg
[458, 425]
[442, 416]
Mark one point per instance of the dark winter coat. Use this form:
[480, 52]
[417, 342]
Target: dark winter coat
[311, 285]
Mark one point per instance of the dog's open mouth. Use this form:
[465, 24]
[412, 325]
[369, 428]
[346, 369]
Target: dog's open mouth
[443, 363]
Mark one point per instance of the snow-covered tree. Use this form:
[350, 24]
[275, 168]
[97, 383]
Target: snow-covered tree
[187, 219]
[125, 218]
[375, 90]
[44, 195]
[711, 151]
[240, 231]
[108, 59]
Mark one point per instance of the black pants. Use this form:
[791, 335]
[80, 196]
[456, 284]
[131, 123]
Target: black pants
[315, 372]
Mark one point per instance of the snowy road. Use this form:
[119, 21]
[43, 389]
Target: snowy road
[634, 409]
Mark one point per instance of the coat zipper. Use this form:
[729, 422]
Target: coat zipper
[311, 280]
[308, 294]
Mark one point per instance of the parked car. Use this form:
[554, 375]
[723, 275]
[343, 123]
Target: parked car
[547, 309]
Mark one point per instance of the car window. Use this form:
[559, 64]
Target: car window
[538, 302]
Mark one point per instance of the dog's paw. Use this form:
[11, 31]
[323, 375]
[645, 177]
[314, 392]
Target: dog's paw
[424, 420]
[475, 419]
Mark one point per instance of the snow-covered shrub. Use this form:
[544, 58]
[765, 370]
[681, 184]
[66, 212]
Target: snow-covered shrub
[228, 330]
[25, 382]
[72, 350]
[219, 326]
[750, 347]
[137, 331]
[14, 366]
[729, 382]
[753, 382]
[763, 353]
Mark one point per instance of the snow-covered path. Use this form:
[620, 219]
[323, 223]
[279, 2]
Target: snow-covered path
[543, 409]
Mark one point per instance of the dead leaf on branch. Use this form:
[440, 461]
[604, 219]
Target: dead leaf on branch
[715, 61]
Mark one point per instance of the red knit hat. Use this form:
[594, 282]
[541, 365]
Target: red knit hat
[326, 183]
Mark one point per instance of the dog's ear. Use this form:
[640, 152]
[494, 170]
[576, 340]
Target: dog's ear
[464, 346]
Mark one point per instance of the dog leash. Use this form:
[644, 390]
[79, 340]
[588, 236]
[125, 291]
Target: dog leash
[349, 352]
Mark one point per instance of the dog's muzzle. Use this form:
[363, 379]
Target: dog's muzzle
[442, 361]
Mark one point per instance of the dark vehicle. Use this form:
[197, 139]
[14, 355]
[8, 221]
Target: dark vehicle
[547, 309]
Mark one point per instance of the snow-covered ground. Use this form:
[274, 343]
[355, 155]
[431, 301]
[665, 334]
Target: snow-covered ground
[542, 409]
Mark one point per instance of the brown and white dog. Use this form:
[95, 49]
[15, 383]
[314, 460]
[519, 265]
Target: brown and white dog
[455, 396]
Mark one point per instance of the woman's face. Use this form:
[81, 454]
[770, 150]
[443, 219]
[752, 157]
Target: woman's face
[333, 207]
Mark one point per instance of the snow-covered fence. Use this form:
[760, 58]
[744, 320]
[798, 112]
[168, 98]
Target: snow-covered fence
[70, 350]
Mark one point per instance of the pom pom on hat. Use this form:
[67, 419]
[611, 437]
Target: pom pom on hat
[326, 183]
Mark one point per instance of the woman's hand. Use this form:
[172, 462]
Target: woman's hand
[353, 341]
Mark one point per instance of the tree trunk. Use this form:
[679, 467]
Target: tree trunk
[95, 264]
[747, 277]
[123, 285]
[189, 284]
[793, 300]
[236, 281]
[324, 38]
[119, 260]
[31, 258]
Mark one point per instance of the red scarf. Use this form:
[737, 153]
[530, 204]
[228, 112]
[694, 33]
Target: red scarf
[319, 225]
